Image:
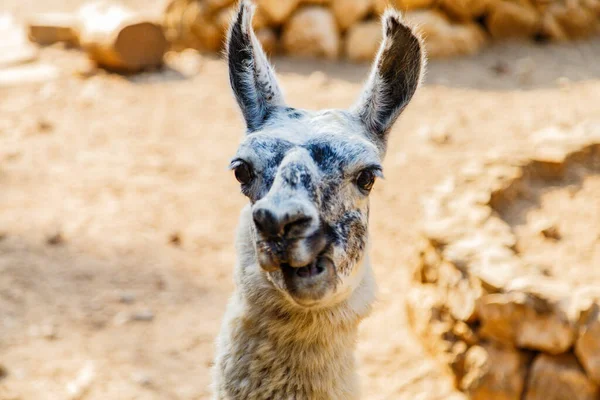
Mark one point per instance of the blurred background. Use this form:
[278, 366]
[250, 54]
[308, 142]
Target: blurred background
[117, 211]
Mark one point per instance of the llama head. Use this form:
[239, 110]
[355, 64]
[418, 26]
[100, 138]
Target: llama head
[308, 174]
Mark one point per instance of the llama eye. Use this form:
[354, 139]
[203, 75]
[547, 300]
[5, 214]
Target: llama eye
[365, 180]
[243, 173]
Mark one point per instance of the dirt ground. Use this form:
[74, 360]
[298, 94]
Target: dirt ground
[117, 211]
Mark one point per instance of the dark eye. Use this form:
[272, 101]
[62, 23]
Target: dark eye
[365, 180]
[243, 173]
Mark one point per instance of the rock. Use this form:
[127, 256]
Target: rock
[587, 346]
[214, 5]
[50, 28]
[406, 5]
[268, 39]
[55, 239]
[117, 38]
[142, 378]
[18, 54]
[507, 19]
[549, 230]
[381, 5]
[81, 384]
[205, 33]
[532, 316]
[143, 315]
[445, 39]
[559, 378]
[402, 5]
[192, 24]
[465, 10]
[465, 333]
[175, 239]
[550, 28]
[278, 11]
[423, 304]
[27, 74]
[575, 20]
[437, 134]
[260, 19]
[426, 314]
[348, 12]
[223, 19]
[362, 41]
[312, 32]
[127, 297]
[494, 372]
[462, 299]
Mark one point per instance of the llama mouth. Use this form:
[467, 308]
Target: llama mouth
[310, 283]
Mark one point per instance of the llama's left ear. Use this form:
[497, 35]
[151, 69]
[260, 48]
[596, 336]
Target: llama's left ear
[395, 76]
[251, 76]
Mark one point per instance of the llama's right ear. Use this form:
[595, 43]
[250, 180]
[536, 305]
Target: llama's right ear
[251, 75]
[395, 76]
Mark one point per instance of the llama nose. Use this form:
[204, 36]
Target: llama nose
[287, 225]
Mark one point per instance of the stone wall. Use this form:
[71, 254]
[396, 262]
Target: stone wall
[506, 329]
[350, 28]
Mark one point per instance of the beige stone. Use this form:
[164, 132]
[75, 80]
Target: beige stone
[423, 305]
[268, 40]
[445, 39]
[50, 28]
[559, 378]
[348, 12]
[462, 299]
[464, 9]
[507, 19]
[312, 32]
[494, 372]
[381, 5]
[260, 19]
[192, 24]
[575, 20]
[527, 319]
[278, 11]
[214, 5]
[407, 5]
[592, 5]
[223, 18]
[362, 41]
[587, 346]
[206, 33]
[403, 5]
[551, 28]
[118, 38]
[427, 315]
[427, 269]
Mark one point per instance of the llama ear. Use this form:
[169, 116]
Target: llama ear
[396, 73]
[251, 76]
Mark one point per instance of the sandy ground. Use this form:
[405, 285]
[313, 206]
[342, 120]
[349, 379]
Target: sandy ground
[117, 212]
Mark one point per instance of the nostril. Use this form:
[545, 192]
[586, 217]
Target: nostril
[266, 222]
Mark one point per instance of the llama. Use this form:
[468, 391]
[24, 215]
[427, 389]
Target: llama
[303, 278]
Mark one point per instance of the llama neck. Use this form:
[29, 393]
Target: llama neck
[272, 351]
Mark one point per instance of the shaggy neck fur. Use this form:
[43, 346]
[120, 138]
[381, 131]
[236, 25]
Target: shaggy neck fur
[270, 348]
